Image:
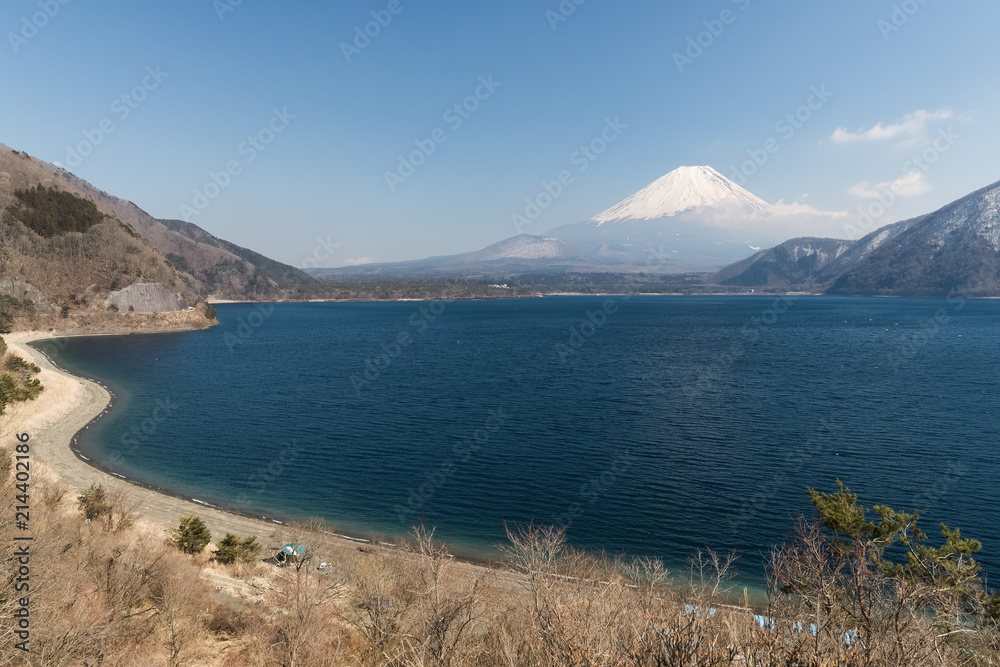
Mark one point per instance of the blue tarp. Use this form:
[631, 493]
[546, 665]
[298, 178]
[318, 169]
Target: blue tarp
[293, 550]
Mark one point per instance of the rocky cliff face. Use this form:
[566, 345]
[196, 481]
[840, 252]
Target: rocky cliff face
[145, 298]
[22, 290]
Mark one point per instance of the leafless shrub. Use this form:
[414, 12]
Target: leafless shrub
[711, 575]
[445, 603]
[178, 598]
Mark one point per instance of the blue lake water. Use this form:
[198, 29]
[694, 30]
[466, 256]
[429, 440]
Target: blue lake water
[650, 425]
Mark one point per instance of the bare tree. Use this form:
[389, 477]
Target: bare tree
[446, 602]
[379, 601]
[178, 596]
[306, 600]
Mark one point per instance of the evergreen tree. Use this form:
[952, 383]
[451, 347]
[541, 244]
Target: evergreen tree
[192, 536]
[93, 502]
[231, 549]
[949, 569]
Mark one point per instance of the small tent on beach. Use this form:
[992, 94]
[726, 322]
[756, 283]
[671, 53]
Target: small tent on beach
[290, 553]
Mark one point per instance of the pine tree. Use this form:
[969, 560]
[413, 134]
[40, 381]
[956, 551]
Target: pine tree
[232, 549]
[192, 536]
[93, 502]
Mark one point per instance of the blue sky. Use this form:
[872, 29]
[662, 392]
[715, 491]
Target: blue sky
[331, 121]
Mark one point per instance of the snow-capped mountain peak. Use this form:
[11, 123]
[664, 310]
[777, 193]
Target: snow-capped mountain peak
[683, 189]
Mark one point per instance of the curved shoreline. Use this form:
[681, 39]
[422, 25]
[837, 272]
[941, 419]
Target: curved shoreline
[95, 463]
[69, 405]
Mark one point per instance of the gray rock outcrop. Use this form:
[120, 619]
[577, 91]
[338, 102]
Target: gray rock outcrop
[146, 298]
[23, 290]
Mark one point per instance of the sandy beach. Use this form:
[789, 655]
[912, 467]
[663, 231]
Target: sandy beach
[67, 405]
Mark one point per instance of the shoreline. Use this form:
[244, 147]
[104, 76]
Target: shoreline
[545, 295]
[69, 404]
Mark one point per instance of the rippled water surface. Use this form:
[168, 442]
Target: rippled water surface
[651, 425]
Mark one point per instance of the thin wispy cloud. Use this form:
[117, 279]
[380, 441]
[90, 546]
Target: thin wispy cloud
[784, 220]
[350, 261]
[797, 218]
[911, 129]
[908, 185]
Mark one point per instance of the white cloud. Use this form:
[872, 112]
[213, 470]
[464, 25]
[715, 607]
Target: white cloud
[782, 221]
[784, 210]
[912, 129]
[908, 185]
[801, 219]
[355, 262]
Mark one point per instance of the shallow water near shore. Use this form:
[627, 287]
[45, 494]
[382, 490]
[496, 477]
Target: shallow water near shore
[647, 426]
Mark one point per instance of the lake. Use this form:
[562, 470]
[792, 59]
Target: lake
[647, 425]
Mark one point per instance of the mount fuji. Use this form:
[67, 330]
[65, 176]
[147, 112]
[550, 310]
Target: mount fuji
[684, 189]
[691, 220]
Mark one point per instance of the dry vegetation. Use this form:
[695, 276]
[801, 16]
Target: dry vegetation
[116, 592]
[94, 321]
[81, 268]
[193, 260]
[54, 237]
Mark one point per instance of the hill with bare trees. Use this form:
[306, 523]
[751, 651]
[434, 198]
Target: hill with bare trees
[62, 254]
[105, 243]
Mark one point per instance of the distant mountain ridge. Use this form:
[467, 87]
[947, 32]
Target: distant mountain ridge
[955, 249]
[806, 263]
[267, 276]
[65, 241]
[63, 255]
[518, 254]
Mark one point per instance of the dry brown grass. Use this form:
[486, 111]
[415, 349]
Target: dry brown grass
[119, 594]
